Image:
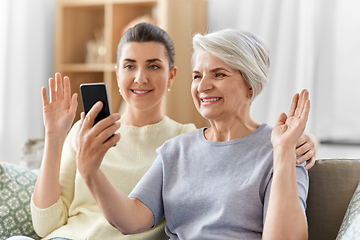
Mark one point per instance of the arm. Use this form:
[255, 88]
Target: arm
[285, 218]
[128, 215]
[58, 114]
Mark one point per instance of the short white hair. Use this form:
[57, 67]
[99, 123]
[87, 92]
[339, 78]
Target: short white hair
[240, 50]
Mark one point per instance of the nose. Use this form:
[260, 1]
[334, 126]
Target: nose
[140, 77]
[204, 84]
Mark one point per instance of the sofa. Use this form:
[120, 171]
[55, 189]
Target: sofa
[333, 201]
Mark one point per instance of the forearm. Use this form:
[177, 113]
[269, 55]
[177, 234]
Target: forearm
[128, 215]
[285, 218]
[47, 189]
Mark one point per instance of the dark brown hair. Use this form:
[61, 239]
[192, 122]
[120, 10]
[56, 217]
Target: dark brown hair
[146, 32]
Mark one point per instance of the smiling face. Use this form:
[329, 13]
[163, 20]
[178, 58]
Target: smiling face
[143, 75]
[219, 92]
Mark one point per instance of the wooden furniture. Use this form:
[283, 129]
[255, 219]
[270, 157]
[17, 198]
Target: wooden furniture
[99, 25]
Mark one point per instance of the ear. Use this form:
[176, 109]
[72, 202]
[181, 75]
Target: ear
[173, 73]
[117, 72]
[250, 93]
[117, 75]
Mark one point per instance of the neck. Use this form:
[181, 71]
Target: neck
[141, 118]
[221, 131]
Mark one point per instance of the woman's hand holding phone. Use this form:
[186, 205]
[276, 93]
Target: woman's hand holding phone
[95, 140]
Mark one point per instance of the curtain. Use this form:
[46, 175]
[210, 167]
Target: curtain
[337, 76]
[26, 62]
[313, 45]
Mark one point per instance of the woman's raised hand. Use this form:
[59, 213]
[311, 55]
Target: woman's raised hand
[59, 111]
[288, 129]
[58, 114]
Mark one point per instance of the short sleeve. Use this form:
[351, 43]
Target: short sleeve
[302, 184]
[149, 190]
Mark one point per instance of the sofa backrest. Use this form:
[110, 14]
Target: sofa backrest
[332, 184]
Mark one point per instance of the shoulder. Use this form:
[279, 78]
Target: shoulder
[264, 139]
[264, 131]
[179, 127]
[261, 138]
[181, 141]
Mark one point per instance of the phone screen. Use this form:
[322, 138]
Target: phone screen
[91, 93]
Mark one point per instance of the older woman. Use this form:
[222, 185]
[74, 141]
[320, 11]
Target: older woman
[234, 180]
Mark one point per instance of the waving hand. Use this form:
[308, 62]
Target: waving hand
[59, 112]
[288, 129]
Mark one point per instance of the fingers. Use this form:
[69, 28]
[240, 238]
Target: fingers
[281, 120]
[91, 115]
[304, 156]
[52, 89]
[302, 108]
[57, 92]
[310, 163]
[306, 149]
[105, 130]
[300, 145]
[89, 120]
[73, 103]
[304, 96]
[108, 138]
[82, 119]
[67, 89]
[45, 99]
[101, 136]
[107, 127]
[59, 87]
[306, 111]
[294, 105]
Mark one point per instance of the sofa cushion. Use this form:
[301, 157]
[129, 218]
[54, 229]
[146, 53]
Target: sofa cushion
[353, 231]
[331, 186]
[352, 213]
[16, 187]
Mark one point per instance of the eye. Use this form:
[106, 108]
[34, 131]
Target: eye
[196, 77]
[129, 66]
[219, 75]
[154, 67]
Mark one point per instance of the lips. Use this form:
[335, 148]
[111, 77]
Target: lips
[208, 100]
[137, 91]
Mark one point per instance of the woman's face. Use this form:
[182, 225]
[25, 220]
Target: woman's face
[219, 91]
[144, 74]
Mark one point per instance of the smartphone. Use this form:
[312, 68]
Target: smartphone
[91, 93]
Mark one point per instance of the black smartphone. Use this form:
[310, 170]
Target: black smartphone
[91, 93]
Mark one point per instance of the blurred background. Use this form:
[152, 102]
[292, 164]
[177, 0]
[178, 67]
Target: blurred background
[313, 44]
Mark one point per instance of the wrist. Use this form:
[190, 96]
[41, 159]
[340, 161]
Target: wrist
[54, 142]
[55, 136]
[284, 155]
[90, 177]
[284, 149]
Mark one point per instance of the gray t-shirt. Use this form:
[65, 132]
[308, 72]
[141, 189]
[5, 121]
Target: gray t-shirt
[213, 190]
